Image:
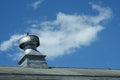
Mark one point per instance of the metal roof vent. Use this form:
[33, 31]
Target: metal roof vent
[32, 57]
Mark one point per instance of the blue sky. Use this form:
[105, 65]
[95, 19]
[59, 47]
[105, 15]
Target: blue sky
[73, 33]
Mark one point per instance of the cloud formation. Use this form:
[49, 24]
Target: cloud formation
[66, 33]
[5, 45]
[36, 4]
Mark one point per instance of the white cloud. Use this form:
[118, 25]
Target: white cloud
[10, 43]
[66, 33]
[36, 4]
[104, 13]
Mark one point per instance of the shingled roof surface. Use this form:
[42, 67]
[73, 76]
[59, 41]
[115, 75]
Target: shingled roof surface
[24, 73]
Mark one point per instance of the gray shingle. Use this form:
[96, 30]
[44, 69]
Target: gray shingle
[23, 73]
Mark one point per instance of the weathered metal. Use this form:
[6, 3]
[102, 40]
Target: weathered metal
[32, 57]
[29, 40]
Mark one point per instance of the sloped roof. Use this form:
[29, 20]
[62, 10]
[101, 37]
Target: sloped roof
[59, 72]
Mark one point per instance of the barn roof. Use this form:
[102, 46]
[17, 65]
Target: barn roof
[57, 73]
